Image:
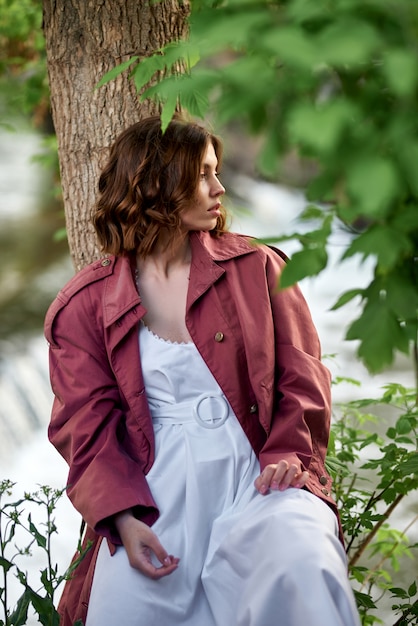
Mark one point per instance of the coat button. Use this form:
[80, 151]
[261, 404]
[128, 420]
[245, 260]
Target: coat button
[323, 480]
[219, 337]
[253, 408]
[325, 492]
[106, 262]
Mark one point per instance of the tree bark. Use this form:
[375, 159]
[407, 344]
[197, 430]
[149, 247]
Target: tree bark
[84, 40]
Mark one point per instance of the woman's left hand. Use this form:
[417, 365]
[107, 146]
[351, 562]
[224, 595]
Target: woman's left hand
[280, 476]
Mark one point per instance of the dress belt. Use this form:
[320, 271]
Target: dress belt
[186, 412]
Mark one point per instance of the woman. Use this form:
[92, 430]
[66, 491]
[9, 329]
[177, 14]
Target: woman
[192, 408]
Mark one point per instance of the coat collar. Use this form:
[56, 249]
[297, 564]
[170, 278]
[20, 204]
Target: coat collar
[120, 293]
[207, 252]
[222, 248]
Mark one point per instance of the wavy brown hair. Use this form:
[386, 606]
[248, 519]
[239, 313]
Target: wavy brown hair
[149, 179]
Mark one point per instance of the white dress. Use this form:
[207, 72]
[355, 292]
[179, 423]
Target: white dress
[246, 559]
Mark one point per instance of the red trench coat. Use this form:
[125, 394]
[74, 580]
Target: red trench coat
[259, 343]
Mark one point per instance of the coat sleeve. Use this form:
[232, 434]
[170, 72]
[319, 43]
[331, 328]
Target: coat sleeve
[300, 422]
[88, 421]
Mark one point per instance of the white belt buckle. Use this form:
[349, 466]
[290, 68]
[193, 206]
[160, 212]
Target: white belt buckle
[211, 423]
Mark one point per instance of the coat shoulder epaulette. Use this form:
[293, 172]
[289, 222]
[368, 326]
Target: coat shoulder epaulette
[98, 270]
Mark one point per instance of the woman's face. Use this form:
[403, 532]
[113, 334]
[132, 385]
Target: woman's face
[205, 208]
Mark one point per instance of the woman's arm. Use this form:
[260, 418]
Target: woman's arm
[301, 412]
[88, 422]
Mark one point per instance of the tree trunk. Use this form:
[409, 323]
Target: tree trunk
[84, 40]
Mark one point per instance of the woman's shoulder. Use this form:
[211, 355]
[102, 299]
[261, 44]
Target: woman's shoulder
[92, 273]
[86, 285]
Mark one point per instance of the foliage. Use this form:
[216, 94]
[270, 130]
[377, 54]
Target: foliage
[372, 475]
[23, 83]
[16, 522]
[338, 81]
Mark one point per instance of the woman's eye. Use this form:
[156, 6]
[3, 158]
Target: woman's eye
[205, 175]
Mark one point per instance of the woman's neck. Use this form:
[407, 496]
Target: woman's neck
[167, 256]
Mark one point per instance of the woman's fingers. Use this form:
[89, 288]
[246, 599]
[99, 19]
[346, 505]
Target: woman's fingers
[149, 545]
[301, 480]
[141, 543]
[142, 561]
[280, 476]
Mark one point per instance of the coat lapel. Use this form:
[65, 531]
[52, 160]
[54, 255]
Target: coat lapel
[207, 252]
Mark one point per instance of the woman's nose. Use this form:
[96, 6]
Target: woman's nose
[219, 189]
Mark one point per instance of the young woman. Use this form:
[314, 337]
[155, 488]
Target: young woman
[192, 408]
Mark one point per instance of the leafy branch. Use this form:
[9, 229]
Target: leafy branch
[38, 536]
[372, 475]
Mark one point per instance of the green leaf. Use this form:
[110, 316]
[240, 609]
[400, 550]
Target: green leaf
[47, 584]
[168, 110]
[410, 466]
[346, 297]
[195, 102]
[335, 466]
[291, 45]
[227, 27]
[306, 262]
[301, 11]
[267, 161]
[408, 155]
[364, 600]
[321, 187]
[235, 97]
[47, 614]
[20, 614]
[347, 379]
[312, 212]
[406, 218]
[178, 89]
[404, 426]
[388, 244]
[373, 182]
[401, 71]
[398, 592]
[391, 433]
[40, 539]
[145, 70]
[164, 61]
[401, 294]
[380, 334]
[412, 589]
[5, 564]
[320, 127]
[115, 71]
[347, 42]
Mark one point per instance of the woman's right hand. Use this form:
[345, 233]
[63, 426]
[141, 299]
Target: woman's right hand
[140, 542]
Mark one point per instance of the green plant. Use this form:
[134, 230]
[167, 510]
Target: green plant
[17, 524]
[373, 473]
